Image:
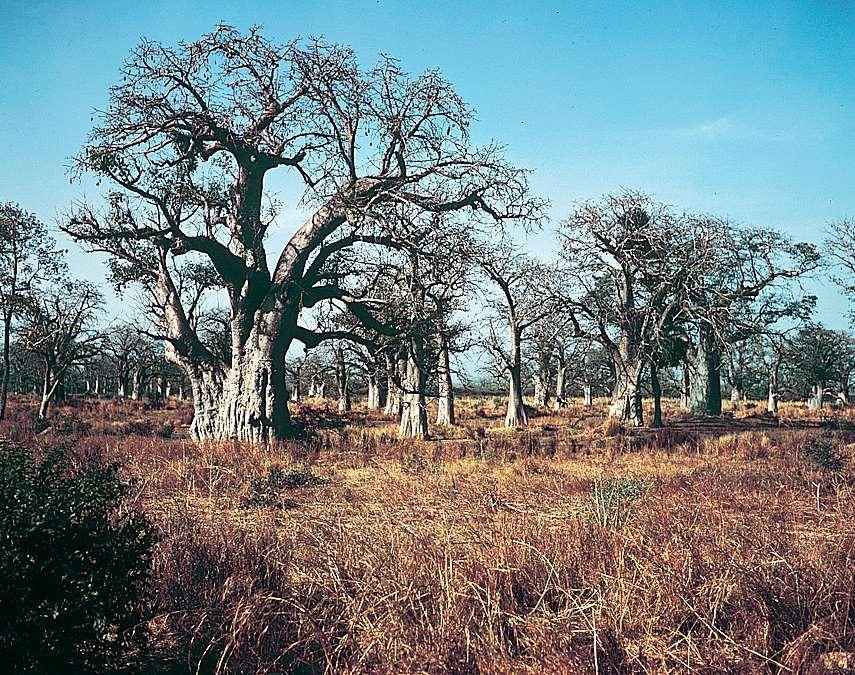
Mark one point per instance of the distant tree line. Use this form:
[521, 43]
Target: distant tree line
[410, 263]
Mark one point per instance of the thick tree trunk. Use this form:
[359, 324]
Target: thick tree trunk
[414, 419]
[516, 415]
[247, 402]
[843, 396]
[705, 374]
[373, 402]
[628, 367]
[560, 387]
[395, 373]
[772, 400]
[342, 379]
[445, 402]
[542, 382]
[588, 394]
[136, 385]
[626, 399]
[656, 389]
[815, 401]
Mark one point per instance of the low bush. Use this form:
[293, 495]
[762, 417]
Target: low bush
[612, 500]
[74, 563]
[267, 490]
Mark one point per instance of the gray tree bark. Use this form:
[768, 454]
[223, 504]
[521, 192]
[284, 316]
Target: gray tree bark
[516, 415]
[705, 377]
[445, 413]
[414, 419]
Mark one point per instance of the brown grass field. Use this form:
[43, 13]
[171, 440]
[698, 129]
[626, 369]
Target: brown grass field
[720, 546]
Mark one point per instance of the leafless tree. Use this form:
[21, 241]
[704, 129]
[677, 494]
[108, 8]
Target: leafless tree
[28, 257]
[189, 138]
[524, 300]
[59, 327]
[630, 260]
[744, 289]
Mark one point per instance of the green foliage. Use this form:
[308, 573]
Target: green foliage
[268, 490]
[74, 563]
[612, 500]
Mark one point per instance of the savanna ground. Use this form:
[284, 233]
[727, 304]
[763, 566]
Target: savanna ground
[572, 546]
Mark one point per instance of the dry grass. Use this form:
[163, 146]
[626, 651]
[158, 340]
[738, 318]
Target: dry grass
[722, 547]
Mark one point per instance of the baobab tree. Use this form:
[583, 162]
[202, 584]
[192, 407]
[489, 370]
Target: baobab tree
[817, 358]
[629, 259]
[59, 327]
[189, 139]
[743, 290]
[28, 257]
[524, 299]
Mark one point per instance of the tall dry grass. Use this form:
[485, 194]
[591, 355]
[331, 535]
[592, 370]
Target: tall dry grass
[728, 547]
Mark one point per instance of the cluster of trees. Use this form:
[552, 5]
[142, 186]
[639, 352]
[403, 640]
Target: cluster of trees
[55, 340]
[411, 229]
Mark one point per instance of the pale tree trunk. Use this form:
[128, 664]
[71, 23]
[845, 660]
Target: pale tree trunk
[167, 390]
[843, 396]
[736, 394]
[588, 394]
[560, 386]
[373, 401]
[136, 385]
[297, 388]
[542, 382]
[98, 386]
[705, 374]
[626, 396]
[394, 370]
[342, 379]
[516, 415]
[445, 402]
[815, 401]
[52, 382]
[414, 420]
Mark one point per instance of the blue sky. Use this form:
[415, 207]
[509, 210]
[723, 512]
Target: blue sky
[743, 109]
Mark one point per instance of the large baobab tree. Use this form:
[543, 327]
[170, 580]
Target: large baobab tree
[59, 329]
[189, 140]
[630, 260]
[742, 290]
[28, 257]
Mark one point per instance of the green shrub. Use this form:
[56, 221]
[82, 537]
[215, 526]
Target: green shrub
[166, 430]
[74, 563]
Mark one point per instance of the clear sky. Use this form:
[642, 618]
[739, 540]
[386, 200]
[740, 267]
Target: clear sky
[743, 109]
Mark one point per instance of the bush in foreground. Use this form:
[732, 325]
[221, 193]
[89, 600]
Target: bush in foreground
[74, 563]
